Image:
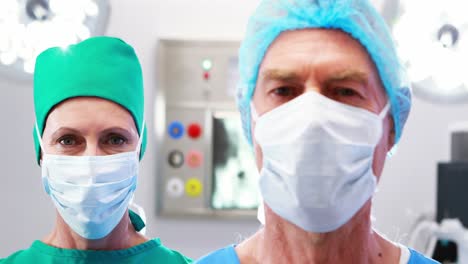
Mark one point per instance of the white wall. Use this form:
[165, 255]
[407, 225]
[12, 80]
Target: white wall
[407, 188]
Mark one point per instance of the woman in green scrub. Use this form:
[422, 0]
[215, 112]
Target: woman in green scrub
[90, 136]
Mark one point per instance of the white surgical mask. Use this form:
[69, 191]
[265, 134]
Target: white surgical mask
[317, 160]
[91, 193]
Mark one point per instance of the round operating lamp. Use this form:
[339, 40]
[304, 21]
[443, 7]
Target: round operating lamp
[432, 39]
[28, 27]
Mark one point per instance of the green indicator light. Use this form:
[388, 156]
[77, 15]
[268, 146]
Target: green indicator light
[207, 64]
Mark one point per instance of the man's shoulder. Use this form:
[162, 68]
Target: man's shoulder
[418, 258]
[225, 255]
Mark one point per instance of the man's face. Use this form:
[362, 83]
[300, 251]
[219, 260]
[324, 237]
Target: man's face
[328, 62]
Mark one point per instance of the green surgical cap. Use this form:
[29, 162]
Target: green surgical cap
[101, 67]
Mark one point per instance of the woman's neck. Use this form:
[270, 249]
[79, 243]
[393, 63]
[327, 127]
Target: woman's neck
[283, 242]
[123, 236]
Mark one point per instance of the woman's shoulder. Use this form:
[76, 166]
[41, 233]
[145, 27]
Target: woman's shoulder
[148, 252]
[21, 256]
[167, 255]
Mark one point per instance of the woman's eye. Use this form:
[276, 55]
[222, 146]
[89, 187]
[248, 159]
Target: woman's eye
[116, 140]
[67, 141]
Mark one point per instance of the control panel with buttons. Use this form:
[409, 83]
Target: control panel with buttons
[196, 80]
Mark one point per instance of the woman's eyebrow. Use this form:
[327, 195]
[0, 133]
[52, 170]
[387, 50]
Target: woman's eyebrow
[120, 130]
[62, 130]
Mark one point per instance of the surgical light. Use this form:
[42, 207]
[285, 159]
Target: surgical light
[28, 27]
[432, 38]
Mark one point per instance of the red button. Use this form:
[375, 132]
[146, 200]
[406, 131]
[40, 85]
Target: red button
[206, 76]
[194, 131]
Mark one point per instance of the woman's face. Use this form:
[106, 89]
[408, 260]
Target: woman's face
[89, 126]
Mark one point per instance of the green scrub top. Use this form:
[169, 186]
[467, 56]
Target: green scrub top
[151, 251]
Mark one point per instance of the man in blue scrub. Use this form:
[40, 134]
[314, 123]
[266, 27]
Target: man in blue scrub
[323, 99]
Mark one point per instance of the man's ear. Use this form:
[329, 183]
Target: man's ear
[391, 135]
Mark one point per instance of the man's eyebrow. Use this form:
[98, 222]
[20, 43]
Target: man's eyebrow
[280, 75]
[348, 75]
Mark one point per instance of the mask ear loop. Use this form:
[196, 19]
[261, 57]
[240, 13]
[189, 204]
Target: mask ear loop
[382, 115]
[253, 112]
[261, 206]
[138, 208]
[261, 212]
[39, 138]
[45, 183]
[140, 140]
[384, 111]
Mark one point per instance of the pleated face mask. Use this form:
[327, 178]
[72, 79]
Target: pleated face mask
[91, 193]
[317, 160]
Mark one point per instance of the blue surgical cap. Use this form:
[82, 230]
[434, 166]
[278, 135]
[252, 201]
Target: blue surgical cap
[358, 18]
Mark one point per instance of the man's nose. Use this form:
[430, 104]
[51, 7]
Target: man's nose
[312, 86]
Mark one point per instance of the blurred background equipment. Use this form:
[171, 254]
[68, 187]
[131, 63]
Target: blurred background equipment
[446, 238]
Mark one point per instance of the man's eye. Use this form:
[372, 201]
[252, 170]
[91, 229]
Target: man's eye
[116, 140]
[67, 141]
[347, 92]
[283, 91]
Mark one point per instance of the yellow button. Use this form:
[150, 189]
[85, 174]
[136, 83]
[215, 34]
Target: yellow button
[193, 187]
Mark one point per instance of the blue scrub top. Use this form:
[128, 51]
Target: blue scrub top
[228, 255]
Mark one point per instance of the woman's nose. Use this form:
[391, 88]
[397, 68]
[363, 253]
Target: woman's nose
[93, 149]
